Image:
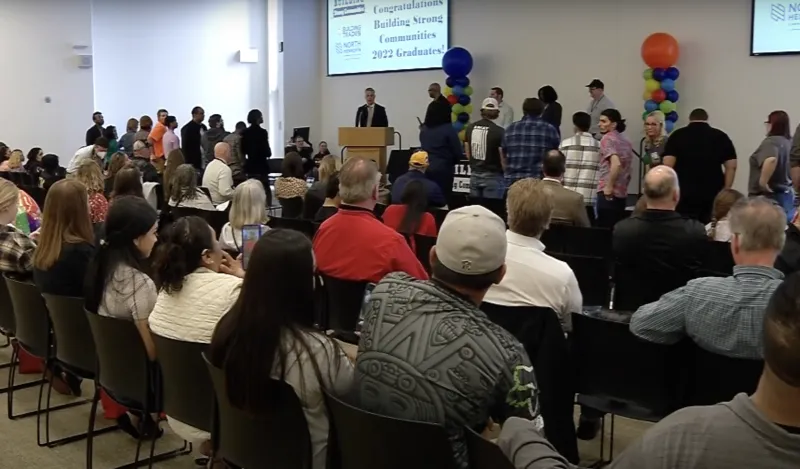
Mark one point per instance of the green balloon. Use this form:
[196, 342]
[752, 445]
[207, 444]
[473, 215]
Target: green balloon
[468, 108]
[457, 109]
[644, 115]
[667, 106]
[651, 85]
[648, 74]
[454, 117]
[468, 91]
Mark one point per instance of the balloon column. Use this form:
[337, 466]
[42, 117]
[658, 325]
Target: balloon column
[457, 63]
[660, 52]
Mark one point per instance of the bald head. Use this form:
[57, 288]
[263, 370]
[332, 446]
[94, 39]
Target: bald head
[358, 182]
[661, 188]
[222, 151]
[434, 90]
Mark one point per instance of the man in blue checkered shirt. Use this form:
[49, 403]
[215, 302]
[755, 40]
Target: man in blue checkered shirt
[526, 142]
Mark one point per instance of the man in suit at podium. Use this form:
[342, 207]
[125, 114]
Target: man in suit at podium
[371, 114]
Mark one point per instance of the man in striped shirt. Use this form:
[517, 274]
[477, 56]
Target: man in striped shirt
[583, 159]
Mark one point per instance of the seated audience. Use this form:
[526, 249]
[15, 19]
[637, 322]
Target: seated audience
[353, 244]
[306, 151]
[469, 369]
[292, 182]
[410, 217]
[532, 277]
[13, 163]
[118, 286]
[16, 248]
[128, 182]
[417, 166]
[659, 244]
[33, 165]
[315, 196]
[197, 284]
[332, 199]
[248, 207]
[96, 152]
[788, 261]
[141, 159]
[762, 430]
[118, 161]
[184, 191]
[91, 176]
[66, 242]
[110, 133]
[724, 315]
[52, 172]
[568, 205]
[719, 229]
[174, 160]
[217, 177]
[321, 153]
[269, 334]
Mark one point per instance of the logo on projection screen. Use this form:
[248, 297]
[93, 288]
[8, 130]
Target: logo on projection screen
[777, 12]
[348, 8]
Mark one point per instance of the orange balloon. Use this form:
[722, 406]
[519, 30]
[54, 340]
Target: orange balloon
[660, 50]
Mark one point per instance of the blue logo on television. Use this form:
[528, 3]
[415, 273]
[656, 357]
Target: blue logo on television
[777, 12]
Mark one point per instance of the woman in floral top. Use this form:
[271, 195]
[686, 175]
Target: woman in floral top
[616, 154]
[292, 182]
[90, 174]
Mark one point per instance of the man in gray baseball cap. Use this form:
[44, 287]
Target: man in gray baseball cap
[424, 342]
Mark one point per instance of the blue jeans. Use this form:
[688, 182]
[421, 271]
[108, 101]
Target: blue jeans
[487, 186]
[786, 202]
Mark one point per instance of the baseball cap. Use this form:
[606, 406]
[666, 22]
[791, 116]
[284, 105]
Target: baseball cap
[472, 241]
[490, 104]
[596, 84]
[419, 159]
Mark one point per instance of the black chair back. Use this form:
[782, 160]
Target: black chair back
[364, 440]
[457, 200]
[280, 437]
[307, 227]
[496, 206]
[275, 165]
[593, 277]
[622, 370]
[37, 193]
[554, 239]
[122, 359]
[8, 324]
[30, 313]
[718, 257]
[581, 241]
[205, 190]
[483, 454]
[439, 214]
[188, 391]
[422, 246]
[159, 191]
[216, 219]
[540, 332]
[378, 210]
[344, 301]
[716, 378]
[291, 207]
[74, 341]
[637, 286]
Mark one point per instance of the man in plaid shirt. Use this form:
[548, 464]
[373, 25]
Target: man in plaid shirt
[16, 251]
[526, 142]
[583, 159]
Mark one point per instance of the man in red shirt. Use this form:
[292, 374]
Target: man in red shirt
[353, 244]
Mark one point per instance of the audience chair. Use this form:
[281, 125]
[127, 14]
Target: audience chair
[484, 454]
[422, 246]
[718, 257]
[378, 210]
[37, 194]
[34, 337]
[8, 327]
[215, 218]
[539, 330]
[160, 201]
[496, 206]
[205, 190]
[75, 351]
[620, 374]
[634, 287]
[291, 207]
[307, 227]
[457, 200]
[439, 214]
[345, 299]
[188, 391]
[554, 239]
[716, 378]
[582, 241]
[279, 438]
[592, 275]
[126, 373]
[275, 165]
[363, 440]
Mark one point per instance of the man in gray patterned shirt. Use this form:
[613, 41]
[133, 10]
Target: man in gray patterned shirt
[724, 315]
[427, 353]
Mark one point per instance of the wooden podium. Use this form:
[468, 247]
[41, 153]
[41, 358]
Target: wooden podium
[367, 142]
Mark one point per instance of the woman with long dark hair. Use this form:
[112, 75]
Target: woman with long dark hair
[128, 181]
[439, 138]
[614, 173]
[769, 164]
[269, 334]
[552, 108]
[34, 161]
[116, 163]
[52, 171]
[411, 216]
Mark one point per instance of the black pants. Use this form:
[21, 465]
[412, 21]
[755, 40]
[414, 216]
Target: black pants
[264, 178]
[609, 212]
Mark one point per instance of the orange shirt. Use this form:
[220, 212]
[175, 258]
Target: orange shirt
[157, 136]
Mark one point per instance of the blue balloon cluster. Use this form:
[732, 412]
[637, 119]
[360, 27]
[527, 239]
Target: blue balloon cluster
[457, 63]
[660, 93]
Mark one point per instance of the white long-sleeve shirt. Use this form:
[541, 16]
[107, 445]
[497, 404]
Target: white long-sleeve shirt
[218, 179]
[506, 116]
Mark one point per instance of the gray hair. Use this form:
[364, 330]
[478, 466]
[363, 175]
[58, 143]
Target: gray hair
[759, 223]
[660, 182]
[357, 180]
[249, 204]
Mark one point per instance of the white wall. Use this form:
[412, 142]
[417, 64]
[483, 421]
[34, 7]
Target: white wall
[186, 55]
[38, 62]
[522, 45]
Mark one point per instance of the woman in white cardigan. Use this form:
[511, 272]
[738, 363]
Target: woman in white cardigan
[197, 284]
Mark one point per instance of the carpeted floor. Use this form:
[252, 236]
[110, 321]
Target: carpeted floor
[18, 448]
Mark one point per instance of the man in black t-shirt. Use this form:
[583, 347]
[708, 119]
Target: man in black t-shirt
[698, 153]
[483, 145]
